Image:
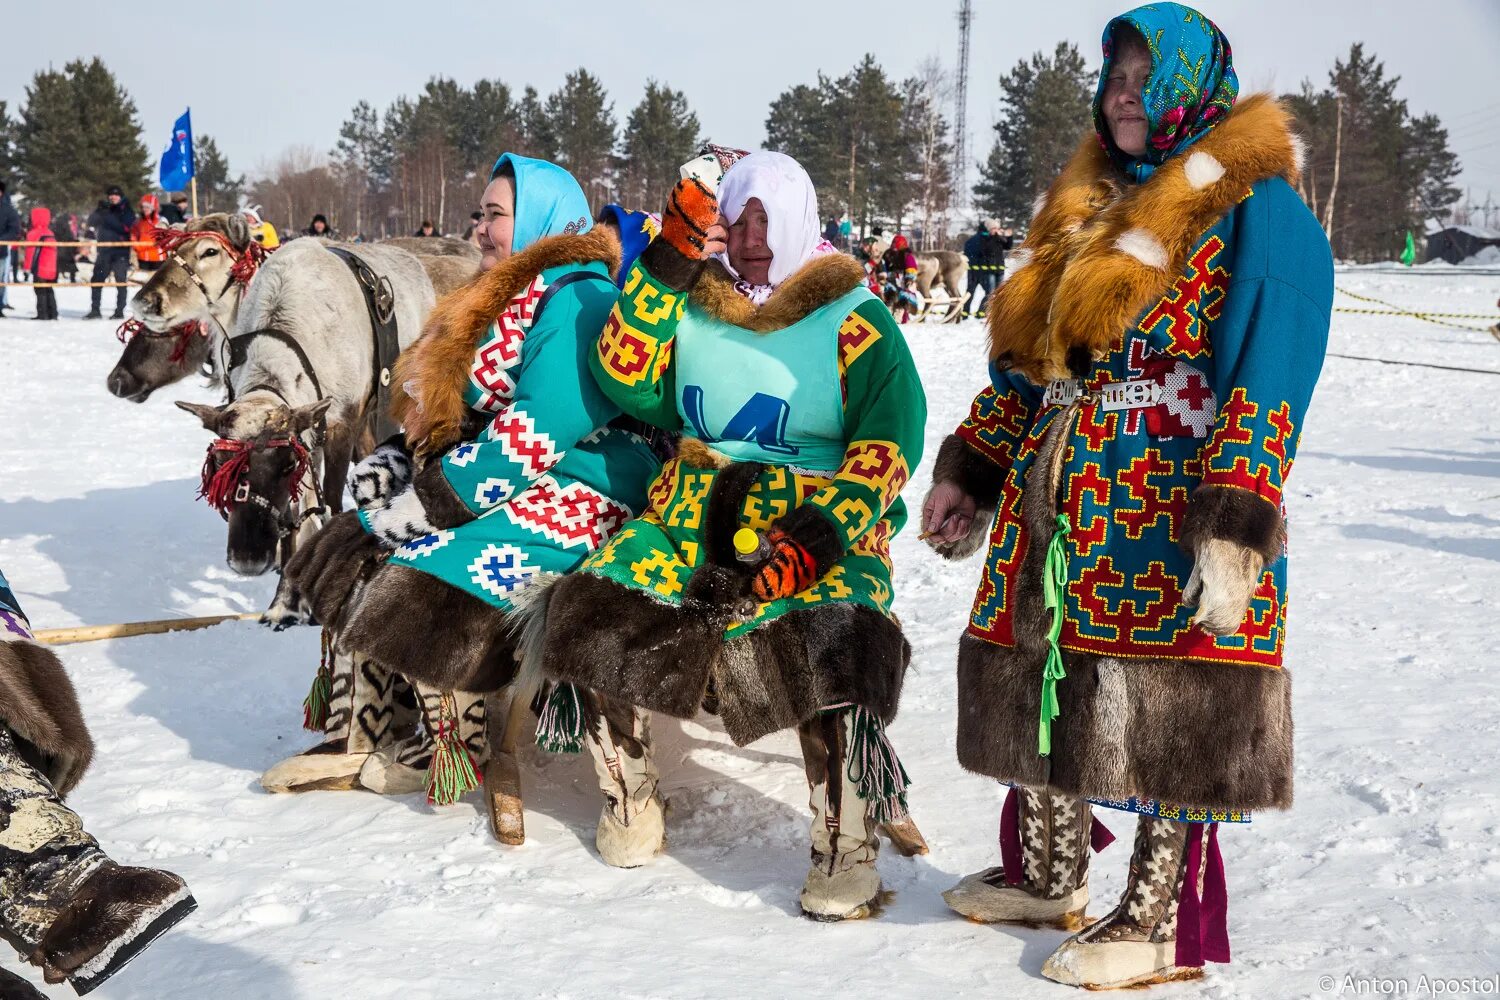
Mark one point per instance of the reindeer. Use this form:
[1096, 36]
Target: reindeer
[301, 372]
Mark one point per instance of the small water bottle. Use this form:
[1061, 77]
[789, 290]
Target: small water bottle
[750, 546]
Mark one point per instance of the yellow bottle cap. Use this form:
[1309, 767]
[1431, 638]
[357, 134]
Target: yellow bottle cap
[746, 541]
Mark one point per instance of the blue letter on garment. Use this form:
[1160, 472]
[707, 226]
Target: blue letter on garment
[762, 420]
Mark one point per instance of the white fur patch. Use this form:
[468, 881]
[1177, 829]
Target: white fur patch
[1144, 247]
[1014, 262]
[1299, 151]
[1201, 170]
[1038, 204]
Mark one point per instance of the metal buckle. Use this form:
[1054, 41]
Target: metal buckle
[1064, 392]
[242, 491]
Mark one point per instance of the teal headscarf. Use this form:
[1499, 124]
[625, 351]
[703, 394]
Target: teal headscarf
[549, 201]
[1191, 88]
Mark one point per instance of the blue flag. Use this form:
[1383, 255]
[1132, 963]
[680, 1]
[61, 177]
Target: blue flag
[177, 158]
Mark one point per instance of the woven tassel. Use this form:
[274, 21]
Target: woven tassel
[315, 705]
[1054, 585]
[452, 773]
[560, 727]
[874, 768]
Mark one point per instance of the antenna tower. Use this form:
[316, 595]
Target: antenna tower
[961, 106]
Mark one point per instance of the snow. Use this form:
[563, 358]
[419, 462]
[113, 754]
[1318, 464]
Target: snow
[1388, 866]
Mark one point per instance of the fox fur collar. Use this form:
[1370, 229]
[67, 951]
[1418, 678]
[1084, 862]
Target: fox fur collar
[812, 286]
[435, 370]
[1100, 250]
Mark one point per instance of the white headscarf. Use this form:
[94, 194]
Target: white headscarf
[791, 205]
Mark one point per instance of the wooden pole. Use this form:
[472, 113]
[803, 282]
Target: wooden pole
[195, 194]
[123, 630]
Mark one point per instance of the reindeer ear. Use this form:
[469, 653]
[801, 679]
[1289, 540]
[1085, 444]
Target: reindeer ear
[304, 417]
[208, 414]
[238, 231]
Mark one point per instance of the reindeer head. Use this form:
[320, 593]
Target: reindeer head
[152, 360]
[257, 466]
[199, 273]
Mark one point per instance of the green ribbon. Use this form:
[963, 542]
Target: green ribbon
[1054, 588]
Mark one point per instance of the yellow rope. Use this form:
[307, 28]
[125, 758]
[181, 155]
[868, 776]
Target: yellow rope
[1391, 309]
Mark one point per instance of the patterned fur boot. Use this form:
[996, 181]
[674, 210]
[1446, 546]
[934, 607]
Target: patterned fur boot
[368, 708]
[843, 883]
[1053, 887]
[632, 826]
[450, 741]
[64, 905]
[1136, 944]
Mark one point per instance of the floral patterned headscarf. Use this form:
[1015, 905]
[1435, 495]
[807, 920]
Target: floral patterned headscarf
[1191, 88]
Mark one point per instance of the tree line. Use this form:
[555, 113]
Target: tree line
[879, 149]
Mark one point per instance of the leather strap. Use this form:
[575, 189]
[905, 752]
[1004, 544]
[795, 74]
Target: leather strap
[380, 302]
[239, 352]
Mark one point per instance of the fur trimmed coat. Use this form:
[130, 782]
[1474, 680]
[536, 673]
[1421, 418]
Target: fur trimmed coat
[1153, 352]
[803, 414]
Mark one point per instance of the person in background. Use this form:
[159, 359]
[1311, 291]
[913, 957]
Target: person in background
[986, 258]
[148, 256]
[175, 213]
[65, 231]
[471, 232]
[41, 261]
[831, 230]
[318, 227]
[635, 230]
[426, 229]
[10, 229]
[111, 222]
[261, 230]
[900, 266]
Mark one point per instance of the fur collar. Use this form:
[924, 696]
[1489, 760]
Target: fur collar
[811, 286]
[436, 368]
[1100, 251]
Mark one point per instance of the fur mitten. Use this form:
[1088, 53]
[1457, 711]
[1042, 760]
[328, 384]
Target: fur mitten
[1232, 535]
[676, 257]
[804, 546]
[400, 520]
[382, 475]
[326, 570]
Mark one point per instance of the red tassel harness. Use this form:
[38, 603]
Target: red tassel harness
[245, 263]
[224, 485]
[182, 333]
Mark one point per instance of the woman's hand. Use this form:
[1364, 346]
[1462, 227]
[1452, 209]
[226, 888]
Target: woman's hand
[717, 240]
[947, 514]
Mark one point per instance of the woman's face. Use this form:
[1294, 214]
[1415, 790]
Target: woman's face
[496, 230]
[1123, 111]
[748, 252]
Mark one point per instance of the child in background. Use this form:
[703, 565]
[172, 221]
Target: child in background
[41, 261]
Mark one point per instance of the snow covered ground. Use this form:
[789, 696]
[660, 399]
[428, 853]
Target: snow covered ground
[1388, 866]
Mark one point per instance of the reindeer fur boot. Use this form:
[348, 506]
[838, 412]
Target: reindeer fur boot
[443, 757]
[364, 708]
[1052, 889]
[843, 883]
[632, 826]
[1136, 944]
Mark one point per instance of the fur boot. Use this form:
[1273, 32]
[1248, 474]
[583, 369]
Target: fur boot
[406, 766]
[632, 826]
[64, 905]
[843, 883]
[1052, 889]
[369, 708]
[1136, 944]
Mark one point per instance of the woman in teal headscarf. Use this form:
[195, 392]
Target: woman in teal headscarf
[1152, 355]
[522, 468]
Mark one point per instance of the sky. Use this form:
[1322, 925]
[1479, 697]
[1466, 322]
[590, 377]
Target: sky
[271, 74]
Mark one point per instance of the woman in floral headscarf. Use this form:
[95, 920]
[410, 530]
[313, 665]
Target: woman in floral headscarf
[1152, 354]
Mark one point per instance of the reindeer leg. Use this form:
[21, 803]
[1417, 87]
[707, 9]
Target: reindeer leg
[338, 449]
[502, 774]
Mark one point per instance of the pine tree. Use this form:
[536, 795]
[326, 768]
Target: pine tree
[7, 142]
[362, 160]
[536, 135]
[1044, 110]
[798, 126]
[48, 138]
[864, 115]
[660, 135]
[581, 118]
[113, 150]
[489, 125]
[218, 191]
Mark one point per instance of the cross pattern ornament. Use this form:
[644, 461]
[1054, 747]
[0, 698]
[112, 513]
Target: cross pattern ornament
[572, 516]
[1188, 406]
[501, 570]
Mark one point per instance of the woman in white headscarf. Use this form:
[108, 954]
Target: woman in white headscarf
[758, 581]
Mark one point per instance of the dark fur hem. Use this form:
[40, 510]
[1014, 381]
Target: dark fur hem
[1233, 515]
[721, 516]
[626, 645]
[431, 631]
[810, 528]
[39, 705]
[1187, 732]
[444, 508]
[960, 463]
[670, 266]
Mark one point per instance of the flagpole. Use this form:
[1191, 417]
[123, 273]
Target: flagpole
[193, 161]
[195, 195]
